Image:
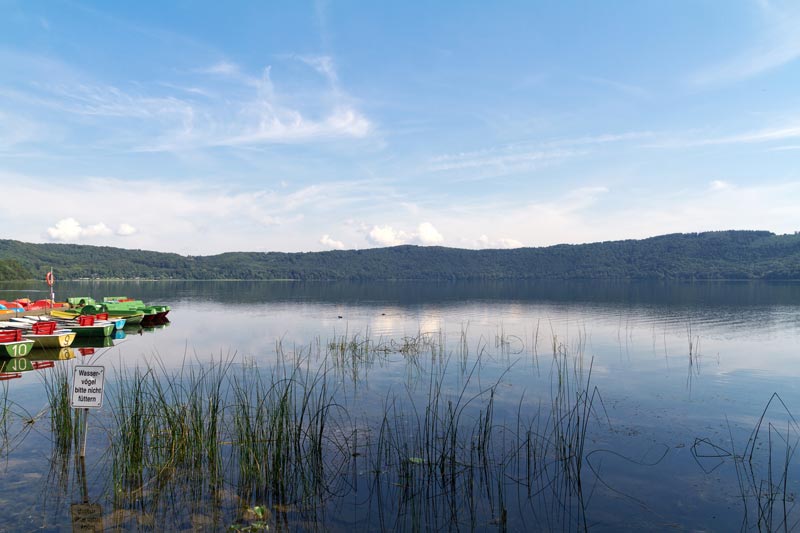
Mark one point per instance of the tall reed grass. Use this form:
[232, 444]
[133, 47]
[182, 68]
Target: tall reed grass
[223, 438]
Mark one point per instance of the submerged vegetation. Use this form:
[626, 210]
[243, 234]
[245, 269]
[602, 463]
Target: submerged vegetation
[710, 255]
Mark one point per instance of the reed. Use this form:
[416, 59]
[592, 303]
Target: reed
[227, 435]
[15, 422]
[64, 420]
[133, 411]
[5, 419]
[763, 468]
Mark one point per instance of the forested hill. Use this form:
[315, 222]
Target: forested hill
[711, 255]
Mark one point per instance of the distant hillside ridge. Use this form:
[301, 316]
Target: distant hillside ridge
[11, 270]
[681, 256]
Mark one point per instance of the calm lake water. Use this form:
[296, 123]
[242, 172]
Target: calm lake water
[676, 403]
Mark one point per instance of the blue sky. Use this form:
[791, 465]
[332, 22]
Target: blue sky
[204, 127]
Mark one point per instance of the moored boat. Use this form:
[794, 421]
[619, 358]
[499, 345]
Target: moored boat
[99, 329]
[62, 338]
[45, 335]
[152, 313]
[12, 345]
[84, 305]
[86, 325]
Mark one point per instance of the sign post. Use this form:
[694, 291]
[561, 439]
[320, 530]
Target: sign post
[87, 393]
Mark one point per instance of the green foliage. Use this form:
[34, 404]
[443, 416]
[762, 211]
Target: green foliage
[710, 255]
[11, 269]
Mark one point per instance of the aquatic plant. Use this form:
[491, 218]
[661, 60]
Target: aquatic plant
[15, 422]
[762, 469]
[284, 437]
[65, 422]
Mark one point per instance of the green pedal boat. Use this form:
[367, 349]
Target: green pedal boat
[12, 345]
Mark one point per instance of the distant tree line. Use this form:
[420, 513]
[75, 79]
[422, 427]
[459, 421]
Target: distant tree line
[11, 269]
[710, 255]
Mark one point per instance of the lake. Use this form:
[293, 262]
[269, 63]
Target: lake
[421, 406]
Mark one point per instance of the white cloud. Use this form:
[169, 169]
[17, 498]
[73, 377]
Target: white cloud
[69, 229]
[428, 235]
[125, 230]
[504, 242]
[96, 230]
[386, 236]
[190, 218]
[328, 242]
[184, 217]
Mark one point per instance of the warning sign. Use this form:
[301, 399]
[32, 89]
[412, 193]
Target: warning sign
[87, 387]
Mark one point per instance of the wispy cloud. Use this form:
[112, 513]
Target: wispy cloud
[777, 44]
[324, 65]
[624, 88]
[527, 156]
[219, 105]
[766, 135]
[16, 130]
[113, 102]
[262, 118]
[500, 160]
[223, 68]
[786, 148]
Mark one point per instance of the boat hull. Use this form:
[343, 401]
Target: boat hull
[131, 319]
[56, 340]
[102, 330]
[11, 350]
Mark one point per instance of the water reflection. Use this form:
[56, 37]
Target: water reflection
[446, 408]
